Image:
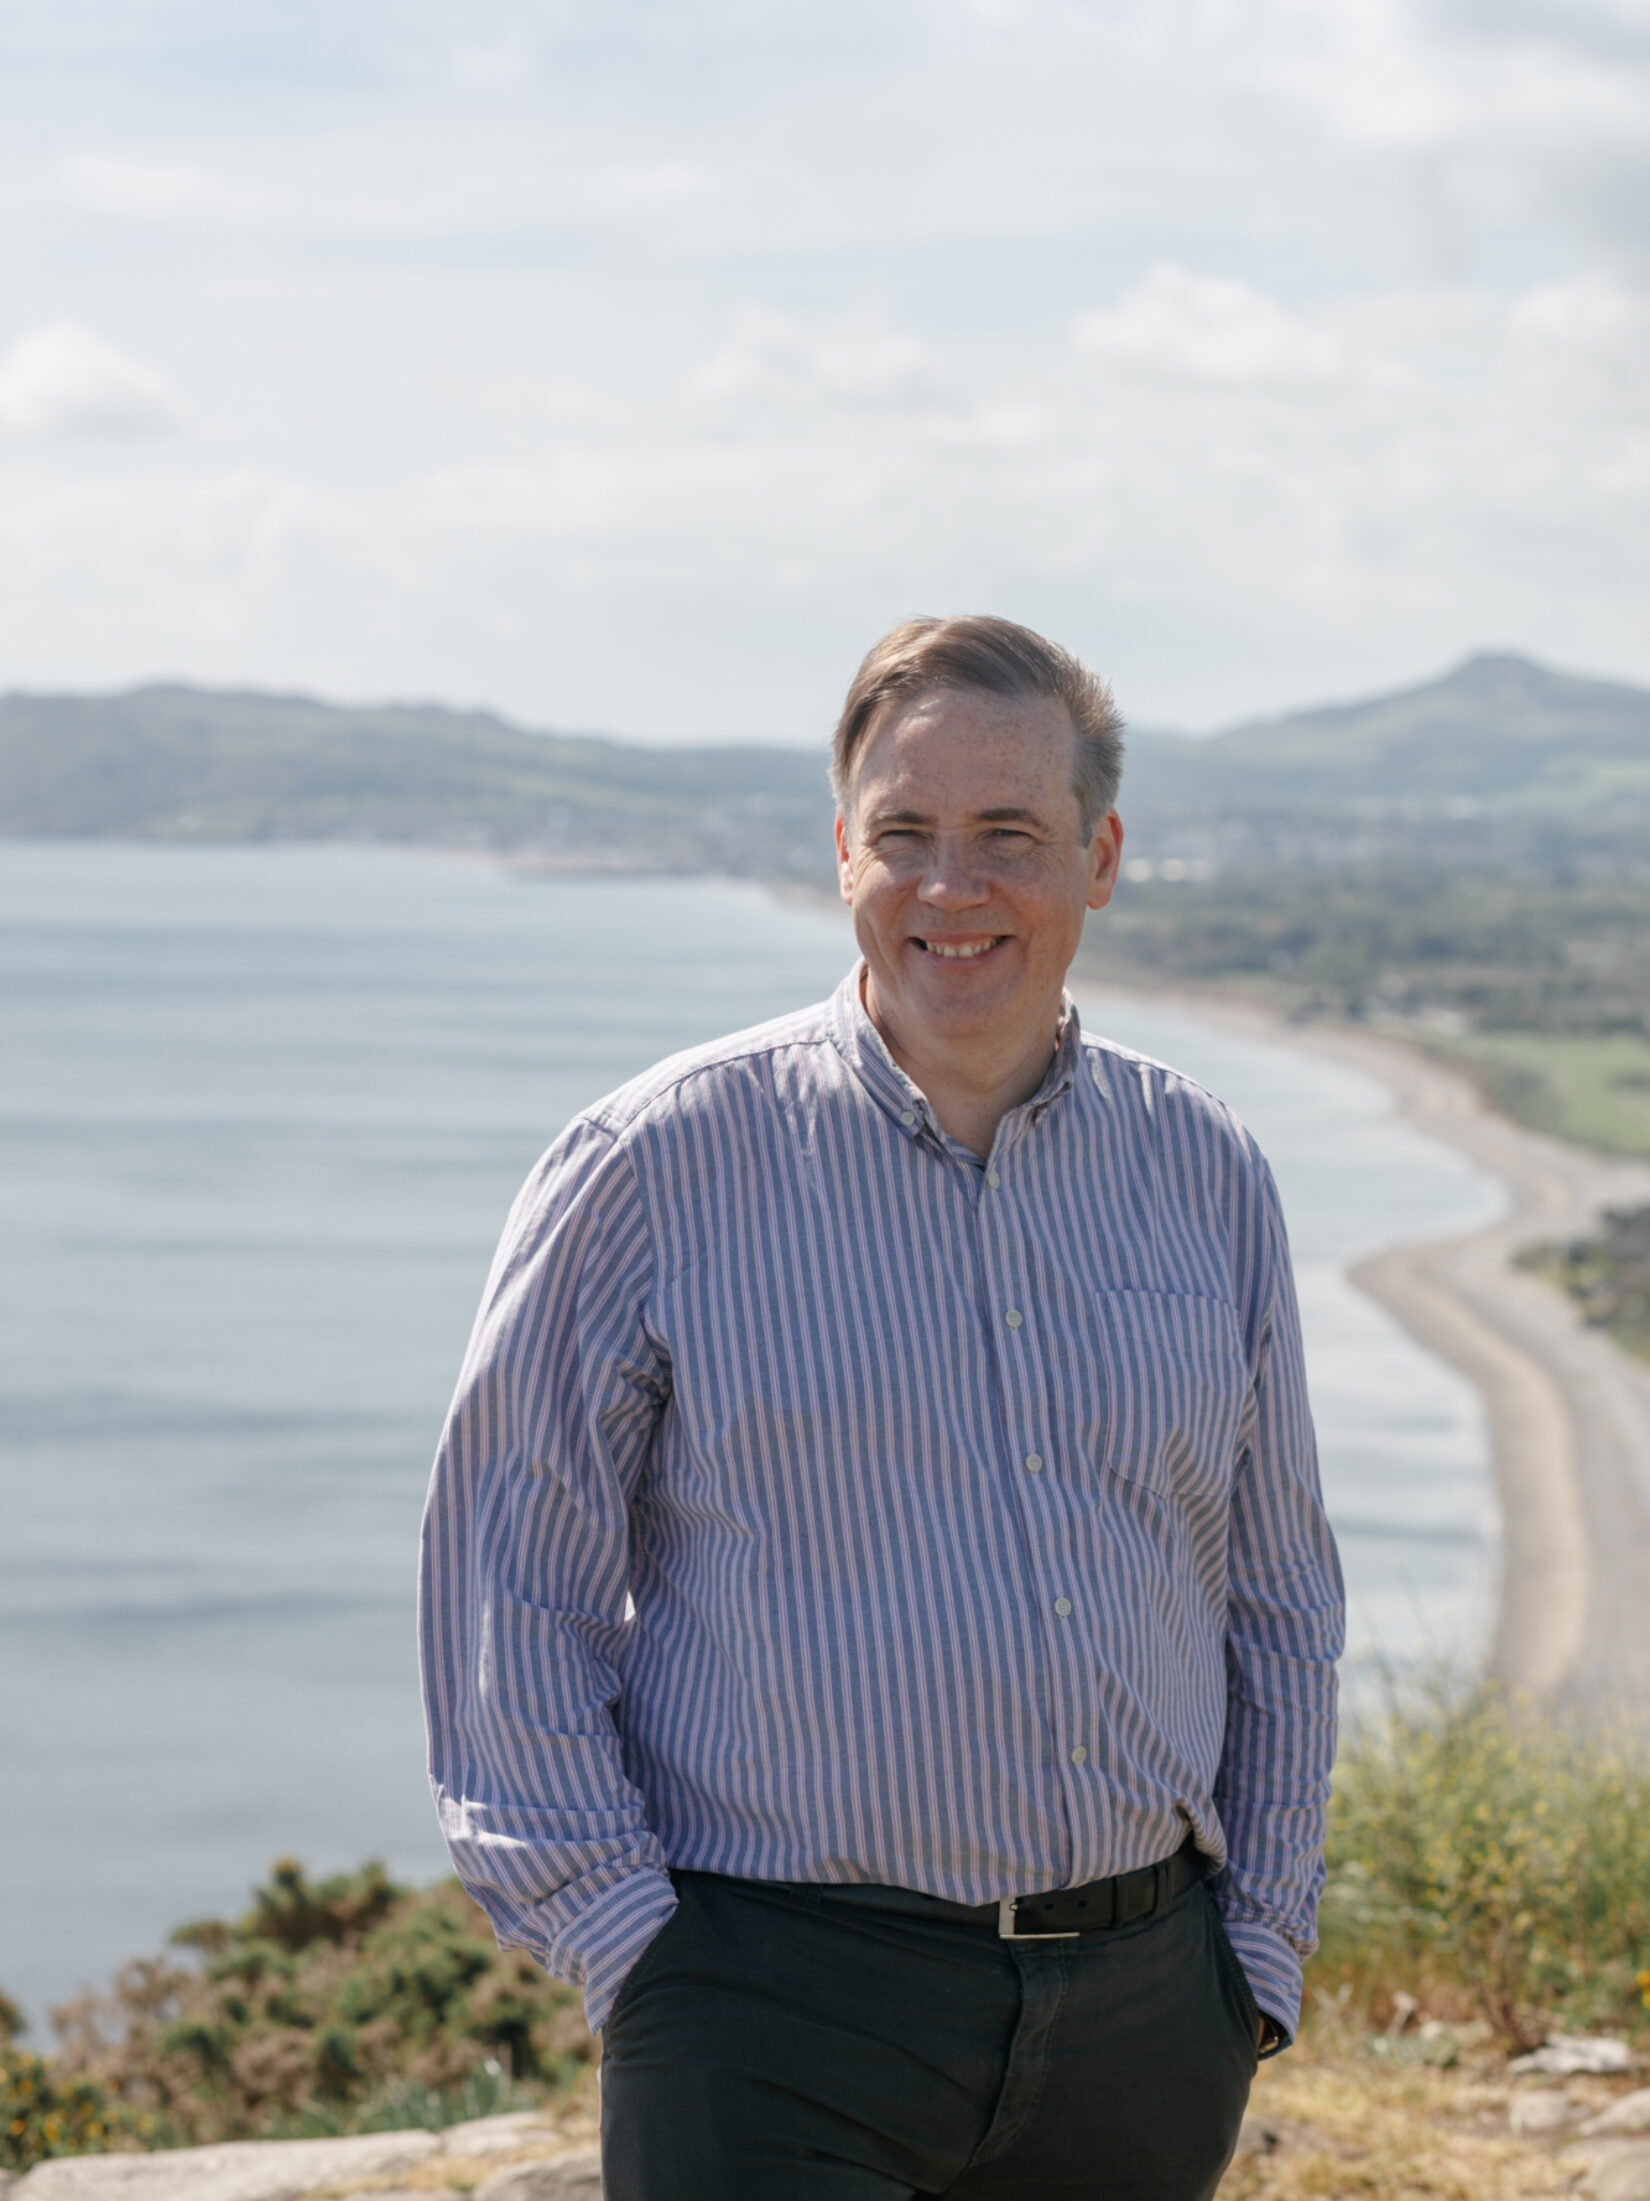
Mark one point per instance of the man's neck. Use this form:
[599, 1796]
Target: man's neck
[972, 1085]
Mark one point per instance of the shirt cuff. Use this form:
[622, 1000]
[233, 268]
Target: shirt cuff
[595, 1945]
[1272, 1969]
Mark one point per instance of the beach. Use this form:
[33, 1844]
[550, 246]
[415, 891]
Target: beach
[1568, 1411]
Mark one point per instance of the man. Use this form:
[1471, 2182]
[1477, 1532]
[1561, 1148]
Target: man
[880, 1619]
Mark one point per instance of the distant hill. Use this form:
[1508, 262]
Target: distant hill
[1500, 762]
[1499, 755]
[185, 763]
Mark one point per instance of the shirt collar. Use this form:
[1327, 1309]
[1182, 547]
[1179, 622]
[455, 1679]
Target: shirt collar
[865, 1051]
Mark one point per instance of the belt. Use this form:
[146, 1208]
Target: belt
[1095, 1907]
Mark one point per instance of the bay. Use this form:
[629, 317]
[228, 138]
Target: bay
[262, 1111]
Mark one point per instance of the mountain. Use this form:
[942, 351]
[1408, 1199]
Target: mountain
[1500, 763]
[1500, 757]
[185, 763]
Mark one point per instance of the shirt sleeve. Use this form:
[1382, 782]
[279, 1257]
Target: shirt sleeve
[1285, 1631]
[524, 1572]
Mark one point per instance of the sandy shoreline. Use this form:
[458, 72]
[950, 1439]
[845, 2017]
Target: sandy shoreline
[1568, 1411]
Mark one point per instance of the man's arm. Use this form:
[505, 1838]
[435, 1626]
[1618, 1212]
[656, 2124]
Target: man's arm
[524, 1576]
[1284, 1634]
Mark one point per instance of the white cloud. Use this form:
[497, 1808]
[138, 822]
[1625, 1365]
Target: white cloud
[1264, 347]
[858, 361]
[140, 188]
[1200, 328]
[65, 380]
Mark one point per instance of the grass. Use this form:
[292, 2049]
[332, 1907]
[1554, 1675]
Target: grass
[1492, 1861]
[1347, 2122]
[1592, 1090]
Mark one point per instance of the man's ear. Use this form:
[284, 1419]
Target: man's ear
[1105, 860]
[844, 860]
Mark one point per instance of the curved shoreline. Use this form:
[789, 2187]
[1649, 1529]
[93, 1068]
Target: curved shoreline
[1568, 1412]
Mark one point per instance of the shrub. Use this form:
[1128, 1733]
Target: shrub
[42, 2115]
[331, 2006]
[1483, 1851]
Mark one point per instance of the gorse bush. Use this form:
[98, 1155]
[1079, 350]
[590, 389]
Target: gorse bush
[41, 2115]
[333, 2006]
[1481, 1851]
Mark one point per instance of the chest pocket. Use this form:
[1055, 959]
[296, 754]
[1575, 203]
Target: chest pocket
[1177, 1385]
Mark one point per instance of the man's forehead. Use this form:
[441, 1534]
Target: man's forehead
[956, 755]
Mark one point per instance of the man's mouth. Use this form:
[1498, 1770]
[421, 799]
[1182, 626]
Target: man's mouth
[962, 951]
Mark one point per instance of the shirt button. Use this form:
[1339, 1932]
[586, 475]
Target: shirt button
[992, 1179]
[1034, 1463]
[1014, 1318]
[1062, 1605]
[907, 1117]
[1079, 1756]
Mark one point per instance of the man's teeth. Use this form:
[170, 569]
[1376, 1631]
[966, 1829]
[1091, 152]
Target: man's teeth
[959, 954]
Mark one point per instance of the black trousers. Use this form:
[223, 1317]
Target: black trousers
[773, 2045]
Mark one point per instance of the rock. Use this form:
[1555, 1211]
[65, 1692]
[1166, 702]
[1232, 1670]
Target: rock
[575, 2177]
[1628, 2113]
[1625, 2178]
[498, 2135]
[1566, 2056]
[1532, 2116]
[1611, 2170]
[237, 2170]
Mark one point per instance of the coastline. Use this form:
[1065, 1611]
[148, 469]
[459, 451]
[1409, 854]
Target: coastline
[1568, 1412]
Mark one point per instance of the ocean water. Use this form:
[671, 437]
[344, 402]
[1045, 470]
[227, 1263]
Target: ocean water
[262, 1112]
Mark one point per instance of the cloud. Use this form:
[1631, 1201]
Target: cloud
[1210, 329]
[64, 380]
[855, 361]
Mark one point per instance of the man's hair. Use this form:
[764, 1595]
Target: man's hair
[995, 657]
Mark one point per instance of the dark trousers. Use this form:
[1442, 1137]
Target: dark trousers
[772, 2044]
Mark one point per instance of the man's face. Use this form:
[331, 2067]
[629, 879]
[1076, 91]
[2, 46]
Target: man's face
[961, 856]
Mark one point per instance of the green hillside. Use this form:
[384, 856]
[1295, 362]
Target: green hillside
[180, 763]
[1501, 759]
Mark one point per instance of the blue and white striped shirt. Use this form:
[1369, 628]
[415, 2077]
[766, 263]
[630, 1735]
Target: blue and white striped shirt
[821, 1503]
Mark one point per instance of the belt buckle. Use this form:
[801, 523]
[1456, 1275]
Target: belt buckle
[1007, 1905]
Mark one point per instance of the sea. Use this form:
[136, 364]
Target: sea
[262, 1112]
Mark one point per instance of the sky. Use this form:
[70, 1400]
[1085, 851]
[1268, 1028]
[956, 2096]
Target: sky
[632, 367]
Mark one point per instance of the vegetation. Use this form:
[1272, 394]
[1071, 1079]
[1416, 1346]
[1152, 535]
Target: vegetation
[196, 764]
[1492, 1861]
[344, 2005]
[1609, 1276]
[1488, 1861]
[1541, 990]
[42, 2113]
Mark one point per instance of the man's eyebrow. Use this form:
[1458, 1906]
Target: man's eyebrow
[1002, 813]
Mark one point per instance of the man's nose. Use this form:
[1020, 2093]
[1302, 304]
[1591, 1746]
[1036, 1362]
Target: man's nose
[955, 876]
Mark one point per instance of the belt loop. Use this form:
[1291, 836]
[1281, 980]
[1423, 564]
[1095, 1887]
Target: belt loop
[1160, 1893]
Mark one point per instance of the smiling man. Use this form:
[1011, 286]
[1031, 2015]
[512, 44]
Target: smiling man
[878, 1611]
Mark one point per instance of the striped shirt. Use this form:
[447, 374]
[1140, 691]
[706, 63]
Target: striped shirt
[821, 1503]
